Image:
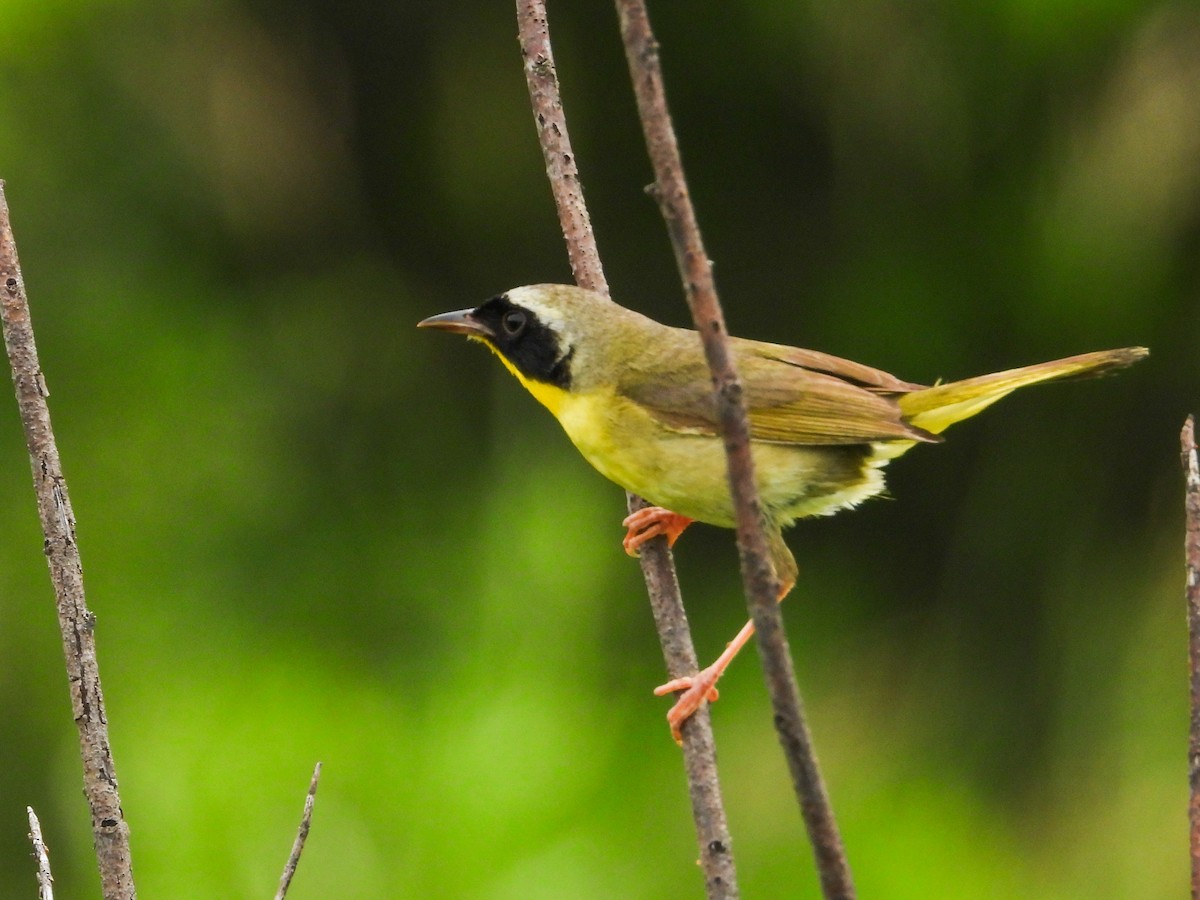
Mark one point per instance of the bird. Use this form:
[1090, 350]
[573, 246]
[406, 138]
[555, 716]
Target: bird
[636, 399]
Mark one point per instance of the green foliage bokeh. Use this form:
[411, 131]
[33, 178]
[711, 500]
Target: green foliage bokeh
[311, 533]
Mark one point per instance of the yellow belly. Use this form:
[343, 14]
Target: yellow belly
[686, 473]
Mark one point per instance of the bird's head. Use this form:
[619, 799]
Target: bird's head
[544, 333]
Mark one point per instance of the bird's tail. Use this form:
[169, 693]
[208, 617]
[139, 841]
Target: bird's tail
[937, 408]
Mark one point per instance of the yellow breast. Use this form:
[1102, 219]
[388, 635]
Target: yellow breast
[624, 443]
[686, 473]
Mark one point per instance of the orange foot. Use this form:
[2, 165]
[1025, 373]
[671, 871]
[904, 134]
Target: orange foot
[702, 687]
[650, 523]
[697, 690]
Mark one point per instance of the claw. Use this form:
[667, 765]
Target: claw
[700, 688]
[650, 523]
[696, 690]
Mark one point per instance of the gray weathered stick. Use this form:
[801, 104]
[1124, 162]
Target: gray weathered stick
[42, 855]
[699, 748]
[1191, 495]
[289, 869]
[641, 49]
[110, 833]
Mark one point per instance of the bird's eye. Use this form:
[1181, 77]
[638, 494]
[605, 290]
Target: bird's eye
[513, 322]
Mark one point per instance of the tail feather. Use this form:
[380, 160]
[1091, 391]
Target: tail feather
[937, 408]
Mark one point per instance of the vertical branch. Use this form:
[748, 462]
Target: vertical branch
[110, 833]
[1192, 593]
[671, 190]
[658, 569]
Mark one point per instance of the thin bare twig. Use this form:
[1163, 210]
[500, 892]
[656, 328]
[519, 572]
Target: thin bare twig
[1192, 561]
[42, 854]
[542, 79]
[110, 832]
[641, 49]
[658, 569]
[289, 870]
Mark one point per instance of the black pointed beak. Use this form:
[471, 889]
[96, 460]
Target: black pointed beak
[461, 321]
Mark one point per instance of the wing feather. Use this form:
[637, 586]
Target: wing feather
[793, 397]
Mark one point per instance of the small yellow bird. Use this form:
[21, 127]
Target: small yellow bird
[636, 399]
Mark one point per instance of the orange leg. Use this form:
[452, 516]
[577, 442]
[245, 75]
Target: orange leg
[701, 688]
[650, 523]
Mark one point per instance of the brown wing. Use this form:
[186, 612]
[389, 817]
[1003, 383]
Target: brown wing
[814, 360]
[832, 402]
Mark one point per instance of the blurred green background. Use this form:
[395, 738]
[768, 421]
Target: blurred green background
[312, 533]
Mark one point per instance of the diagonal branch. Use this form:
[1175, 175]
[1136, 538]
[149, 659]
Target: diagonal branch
[42, 854]
[671, 190]
[110, 832]
[561, 168]
[293, 860]
[699, 748]
[1192, 594]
